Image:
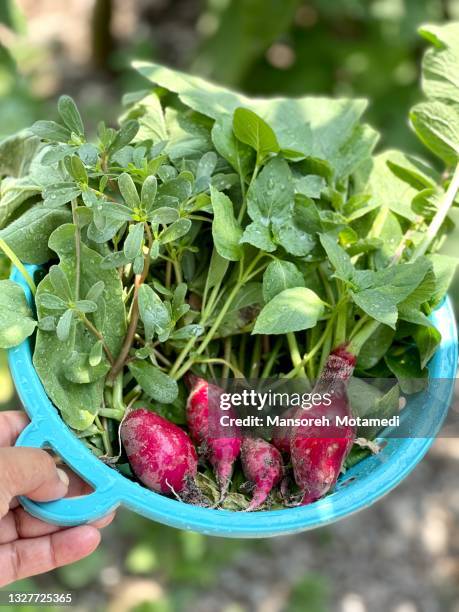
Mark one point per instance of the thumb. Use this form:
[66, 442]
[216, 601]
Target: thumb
[30, 472]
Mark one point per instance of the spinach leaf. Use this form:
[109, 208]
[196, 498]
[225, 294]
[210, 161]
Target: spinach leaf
[310, 186]
[226, 231]
[260, 236]
[440, 65]
[293, 309]
[427, 340]
[437, 126]
[280, 275]
[239, 155]
[375, 347]
[250, 129]
[313, 126]
[379, 293]
[271, 195]
[338, 258]
[376, 178]
[444, 269]
[404, 363]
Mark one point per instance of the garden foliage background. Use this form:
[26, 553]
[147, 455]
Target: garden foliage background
[403, 554]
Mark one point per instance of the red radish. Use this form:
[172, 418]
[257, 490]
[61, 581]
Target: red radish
[318, 452]
[281, 436]
[203, 414]
[262, 466]
[159, 452]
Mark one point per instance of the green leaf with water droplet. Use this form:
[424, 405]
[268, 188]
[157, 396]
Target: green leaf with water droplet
[70, 115]
[271, 195]
[293, 309]
[134, 241]
[252, 130]
[258, 235]
[226, 230]
[280, 275]
[128, 190]
[28, 235]
[156, 384]
[16, 319]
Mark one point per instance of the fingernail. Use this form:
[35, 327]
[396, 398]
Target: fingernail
[63, 476]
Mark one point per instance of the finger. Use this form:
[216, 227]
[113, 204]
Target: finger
[12, 422]
[20, 524]
[24, 558]
[31, 472]
[77, 486]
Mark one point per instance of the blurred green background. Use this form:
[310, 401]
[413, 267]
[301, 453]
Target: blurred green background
[403, 554]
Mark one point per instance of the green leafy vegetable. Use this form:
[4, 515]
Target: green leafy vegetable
[16, 319]
[224, 236]
[290, 310]
[226, 231]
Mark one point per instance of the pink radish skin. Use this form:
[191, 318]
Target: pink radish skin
[159, 452]
[281, 436]
[318, 453]
[262, 466]
[203, 413]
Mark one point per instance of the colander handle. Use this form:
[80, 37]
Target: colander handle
[71, 510]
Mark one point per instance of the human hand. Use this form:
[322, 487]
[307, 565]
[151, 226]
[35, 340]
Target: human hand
[29, 546]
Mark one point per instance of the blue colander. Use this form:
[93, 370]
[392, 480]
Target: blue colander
[359, 488]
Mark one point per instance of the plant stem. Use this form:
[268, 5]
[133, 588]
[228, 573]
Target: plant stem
[359, 325]
[130, 335]
[237, 287]
[241, 354]
[256, 358]
[177, 272]
[326, 348]
[178, 370]
[132, 395]
[168, 273]
[244, 201]
[116, 415]
[87, 323]
[272, 359]
[19, 265]
[227, 356]
[295, 355]
[218, 360]
[77, 251]
[118, 403]
[439, 217]
[341, 324]
[324, 340]
[105, 438]
[376, 230]
[162, 358]
[362, 336]
[314, 337]
[326, 285]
